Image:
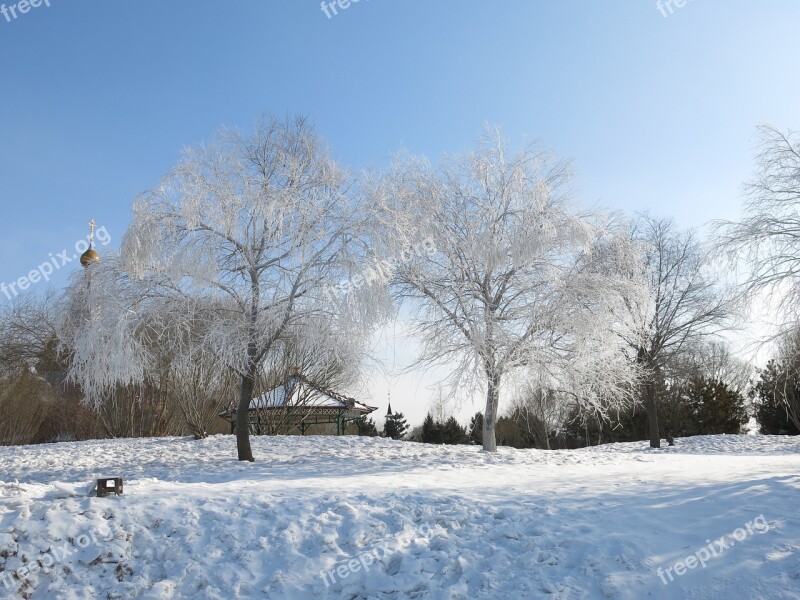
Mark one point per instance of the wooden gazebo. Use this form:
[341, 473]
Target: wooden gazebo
[299, 404]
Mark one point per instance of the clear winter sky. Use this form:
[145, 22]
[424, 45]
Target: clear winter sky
[99, 97]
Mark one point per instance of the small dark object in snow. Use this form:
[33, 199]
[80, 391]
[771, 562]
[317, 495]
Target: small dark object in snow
[109, 486]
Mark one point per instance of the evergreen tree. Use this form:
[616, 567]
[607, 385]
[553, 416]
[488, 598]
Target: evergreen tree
[526, 428]
[453, 433]
[366, 427]
[717, 408]
[449, 432]
[769, 397]
[396, 426]
[431, 431]
[476, 428]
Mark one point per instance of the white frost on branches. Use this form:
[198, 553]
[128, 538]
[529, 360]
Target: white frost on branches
[765, 243]
[101, 332]
[522, 282]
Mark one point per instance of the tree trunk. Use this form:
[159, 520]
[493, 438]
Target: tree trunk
[490, 416]
[648, 388]
[652, 414]
[249, 378]
[243, 416]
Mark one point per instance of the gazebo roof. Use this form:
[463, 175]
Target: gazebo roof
[297, 391]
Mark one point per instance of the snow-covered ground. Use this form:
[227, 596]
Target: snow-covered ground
[324, 517]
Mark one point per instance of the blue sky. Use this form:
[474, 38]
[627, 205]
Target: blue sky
[99, 97]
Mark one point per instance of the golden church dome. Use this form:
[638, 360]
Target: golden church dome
[89, 257]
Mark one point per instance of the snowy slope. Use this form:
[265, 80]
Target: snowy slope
[323, 517]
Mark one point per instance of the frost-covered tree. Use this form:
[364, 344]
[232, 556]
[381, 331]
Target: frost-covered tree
[113, 342]
[685, 304]
[765, 243]
[102, 336]
[518, 282]
[251, 228]
[190, 373]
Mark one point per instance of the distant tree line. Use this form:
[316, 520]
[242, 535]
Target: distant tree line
[721, 400]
